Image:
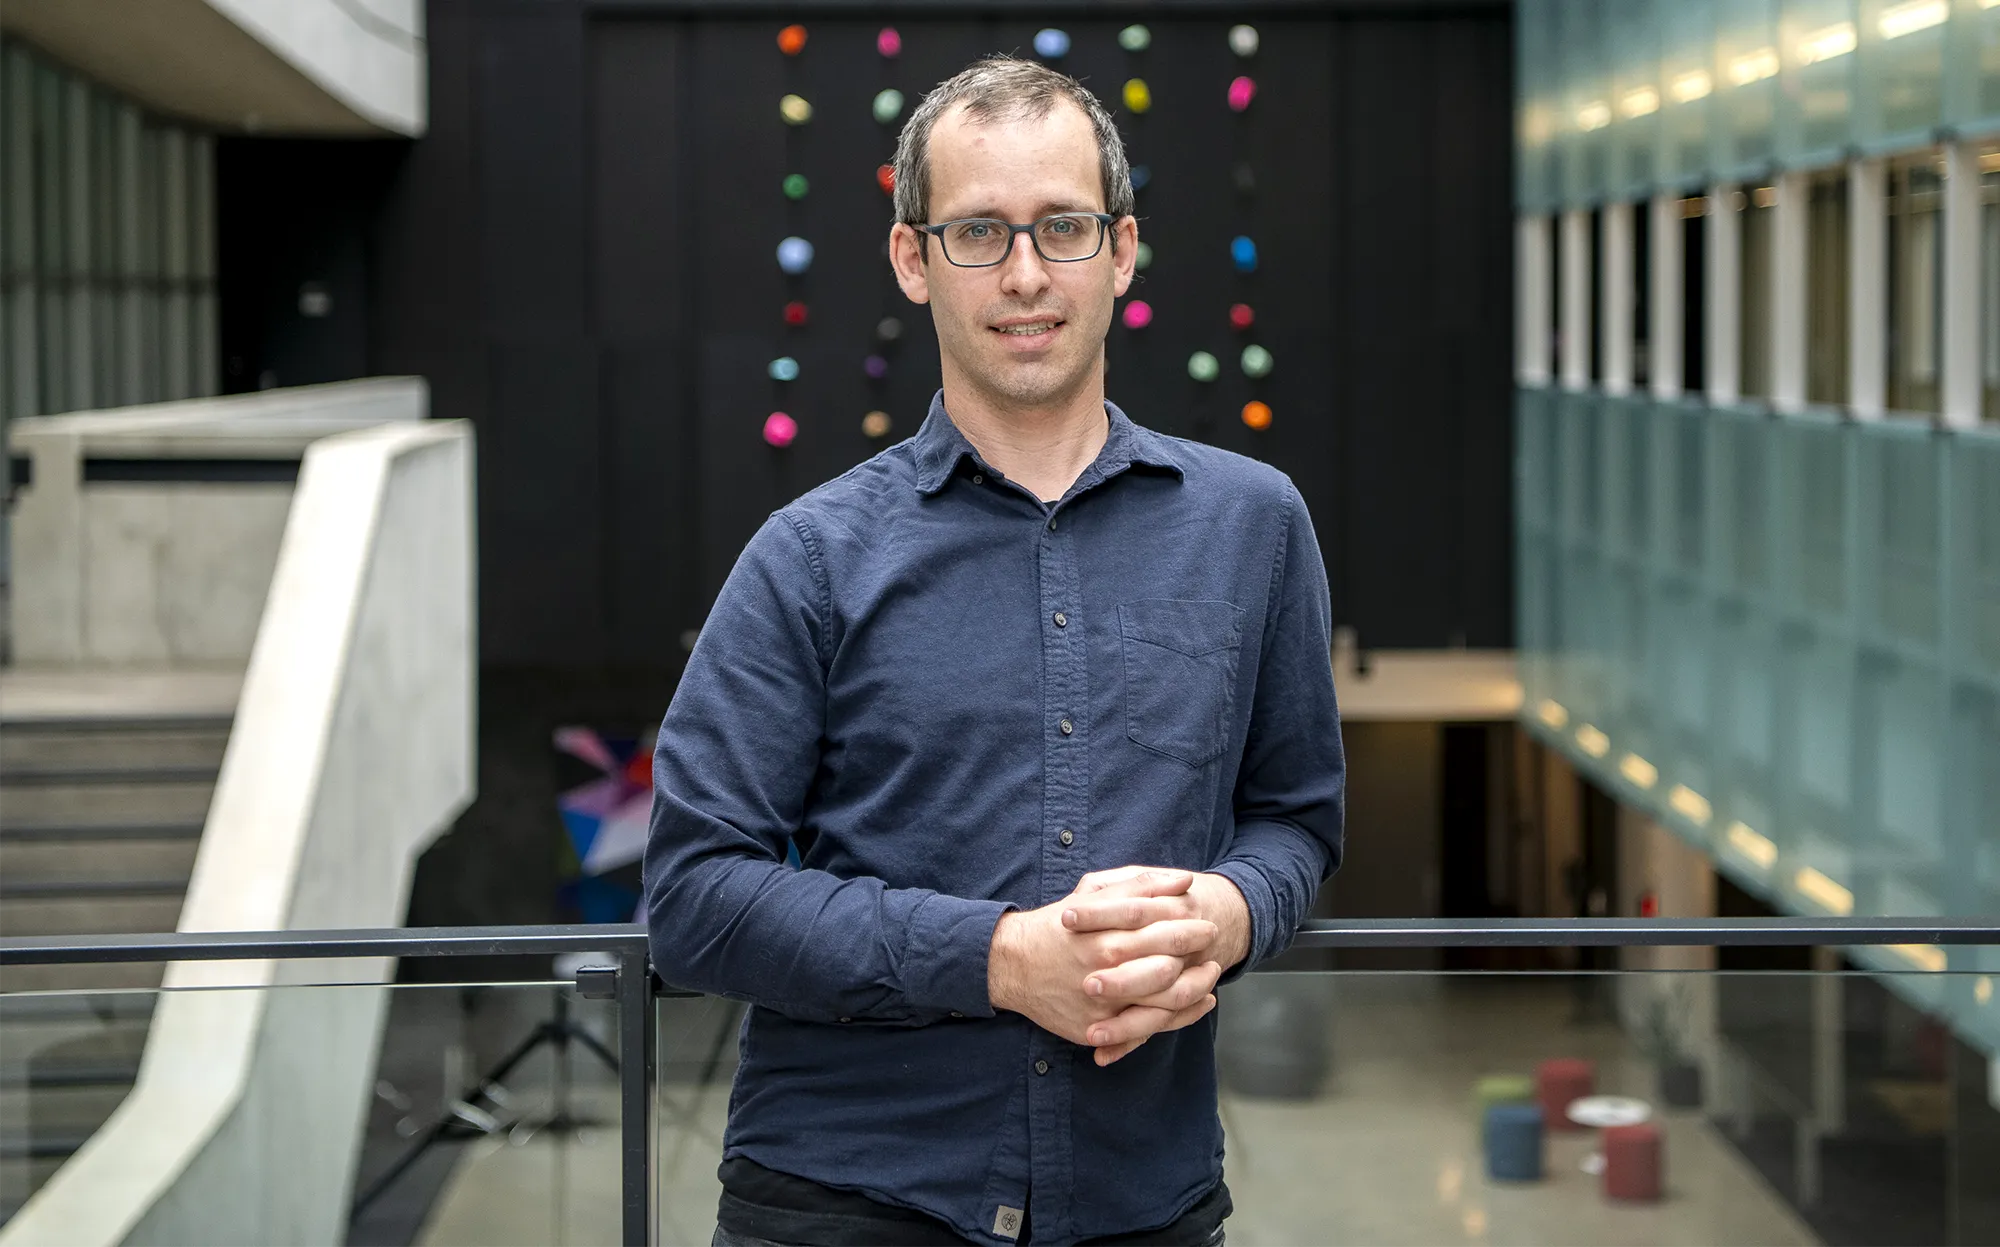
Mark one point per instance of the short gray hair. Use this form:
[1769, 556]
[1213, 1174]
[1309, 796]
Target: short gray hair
[1005, 87]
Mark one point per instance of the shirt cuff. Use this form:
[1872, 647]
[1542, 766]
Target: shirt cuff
[1263, 904]
[948, 943]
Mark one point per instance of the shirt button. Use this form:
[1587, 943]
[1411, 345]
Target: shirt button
[1041, 1067]
[955, 1013]
[978, 478]
[1065, 726]
[1067, 837]
[1062, 620]
[847, 1019]
[1052, 524]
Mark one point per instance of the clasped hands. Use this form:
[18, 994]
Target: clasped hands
[1130, 953]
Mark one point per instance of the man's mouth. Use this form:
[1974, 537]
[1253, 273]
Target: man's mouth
[1028, 328]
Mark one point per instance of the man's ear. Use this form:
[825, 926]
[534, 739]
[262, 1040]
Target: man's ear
[906, 258]
[1126, 231]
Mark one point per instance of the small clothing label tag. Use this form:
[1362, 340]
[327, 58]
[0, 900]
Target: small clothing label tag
[1007, 1222]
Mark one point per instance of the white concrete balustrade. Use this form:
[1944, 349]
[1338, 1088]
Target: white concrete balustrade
[352, 749]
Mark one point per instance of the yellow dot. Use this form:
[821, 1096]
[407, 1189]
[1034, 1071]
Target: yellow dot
[1257, 415]
[795, 109]
[876, 424]
[1138, 96]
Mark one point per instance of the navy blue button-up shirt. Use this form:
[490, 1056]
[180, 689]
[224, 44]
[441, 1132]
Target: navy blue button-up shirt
[957, 699]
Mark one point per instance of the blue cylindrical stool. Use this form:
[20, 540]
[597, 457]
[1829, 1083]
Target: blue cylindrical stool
[1513, 1137]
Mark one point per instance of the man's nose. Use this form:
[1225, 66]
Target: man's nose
[1024, 265]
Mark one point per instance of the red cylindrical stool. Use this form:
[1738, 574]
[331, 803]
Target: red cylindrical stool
[1632, 1161]
[1558, 1082]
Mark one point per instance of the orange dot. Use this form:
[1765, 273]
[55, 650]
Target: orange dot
[792, 40]
[1257, 415]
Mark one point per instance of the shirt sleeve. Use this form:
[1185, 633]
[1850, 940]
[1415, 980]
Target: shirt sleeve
[1290, 798]
[735, 760]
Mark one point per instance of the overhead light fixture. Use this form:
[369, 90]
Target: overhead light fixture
[1982, 990]
[1827, 43]
[1552, 713]
[1765, 197]
[1927, 957]
[1907, 19]
[1823, 891]
[1754, 67]
[1640, 102]
[1592, 741]
[1751, 845]
[1593, 116]
[1690, 805]
[1638, 770]
[1693, 86]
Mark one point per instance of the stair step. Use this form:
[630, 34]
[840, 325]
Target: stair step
[123, 804]
[42, 776]
[112, 889]
[18, 1144]
[62, 1111]
[33, 746]
[90, 915]
[93, 861]
[28, 834]
[140, 979]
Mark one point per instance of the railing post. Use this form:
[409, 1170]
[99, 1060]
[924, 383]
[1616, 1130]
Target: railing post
[635, 1097]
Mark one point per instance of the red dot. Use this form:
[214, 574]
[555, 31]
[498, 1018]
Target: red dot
[1241, 317]
[885, 177]
[792, 40]
[795, 313]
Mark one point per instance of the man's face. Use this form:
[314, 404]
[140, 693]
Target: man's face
[1018, 171]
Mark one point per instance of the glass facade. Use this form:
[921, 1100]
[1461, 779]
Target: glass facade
[1770, 621]
[107, 247]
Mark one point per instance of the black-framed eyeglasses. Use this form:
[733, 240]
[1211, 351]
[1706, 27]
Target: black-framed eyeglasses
[981, 242]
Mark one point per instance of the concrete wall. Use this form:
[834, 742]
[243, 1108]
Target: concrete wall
[165, 574]
[353, 748]
[331, 67]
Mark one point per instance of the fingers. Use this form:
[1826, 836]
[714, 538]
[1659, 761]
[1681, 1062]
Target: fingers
[1174, 937]
[1138, 881]
[1164, 982]
[1139, 1023]
[1107, 911]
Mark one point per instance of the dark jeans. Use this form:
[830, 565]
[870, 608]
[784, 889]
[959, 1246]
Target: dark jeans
[723, 1238]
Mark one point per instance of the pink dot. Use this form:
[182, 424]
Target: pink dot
[889, 43]
[1241, 92]
[1138, 314]
[780, 429]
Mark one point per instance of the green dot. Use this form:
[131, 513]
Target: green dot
[796, 186]
[1135, 38]
[1203, 367]
[888, 105]
[1256, 361]
[1143, 258]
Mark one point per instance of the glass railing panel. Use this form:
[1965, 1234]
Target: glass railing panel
[462, 1113]
[1779, 1104]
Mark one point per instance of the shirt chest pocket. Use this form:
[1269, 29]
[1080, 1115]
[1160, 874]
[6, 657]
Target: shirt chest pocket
[1180, 675]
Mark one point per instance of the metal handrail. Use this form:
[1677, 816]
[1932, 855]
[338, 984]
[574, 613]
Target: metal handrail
[625, 938]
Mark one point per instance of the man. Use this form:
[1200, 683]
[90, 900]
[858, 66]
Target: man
[985, 681]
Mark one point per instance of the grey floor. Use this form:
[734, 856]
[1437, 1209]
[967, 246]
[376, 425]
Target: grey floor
[1385, 1154]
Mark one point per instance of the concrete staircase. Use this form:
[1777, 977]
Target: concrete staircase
[100, 817]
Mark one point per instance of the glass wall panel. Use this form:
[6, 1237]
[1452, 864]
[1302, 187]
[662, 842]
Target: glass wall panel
[1916, 267]
[1687, 88]
[1902, 72]
[1746, 69]
[1537, 68]
[1972, 68]
[1817, 40]
[1989, 283]
[1586, 102]
[1633, 42]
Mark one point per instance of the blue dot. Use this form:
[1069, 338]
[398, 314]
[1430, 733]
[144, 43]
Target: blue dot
[1051, 43]
[1141, 174]
[795, 255]
[1244, 252]
[784, 368]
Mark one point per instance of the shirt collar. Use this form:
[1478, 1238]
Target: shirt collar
[940, 447]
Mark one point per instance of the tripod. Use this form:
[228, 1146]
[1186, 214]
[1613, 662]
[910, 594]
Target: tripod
[470, 1115]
